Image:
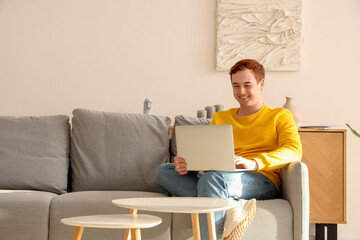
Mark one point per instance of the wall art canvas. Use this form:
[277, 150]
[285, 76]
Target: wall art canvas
[269, 31]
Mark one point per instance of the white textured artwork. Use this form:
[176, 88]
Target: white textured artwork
[269, 31]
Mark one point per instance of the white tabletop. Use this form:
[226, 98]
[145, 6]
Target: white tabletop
[114, 221]
[177, 204]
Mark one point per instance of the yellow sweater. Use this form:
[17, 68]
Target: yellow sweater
[269, 137]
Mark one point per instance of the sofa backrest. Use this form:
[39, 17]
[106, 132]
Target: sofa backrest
[117, 151]
[34, 153]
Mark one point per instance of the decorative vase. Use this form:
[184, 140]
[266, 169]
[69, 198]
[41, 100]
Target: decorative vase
[201, 114]
[219, 107]
[294, 110]
[210, 110]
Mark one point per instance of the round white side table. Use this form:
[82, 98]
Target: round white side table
[123, 221]
[192, 205]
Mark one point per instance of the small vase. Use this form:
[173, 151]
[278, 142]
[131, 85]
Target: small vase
[294, 110]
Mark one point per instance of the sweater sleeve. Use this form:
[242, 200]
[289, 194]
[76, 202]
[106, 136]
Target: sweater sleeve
[289, 147]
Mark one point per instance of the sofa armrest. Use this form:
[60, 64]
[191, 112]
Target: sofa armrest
[295, 189]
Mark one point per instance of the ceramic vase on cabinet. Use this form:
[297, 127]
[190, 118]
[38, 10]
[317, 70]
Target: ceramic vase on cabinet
[294, 111]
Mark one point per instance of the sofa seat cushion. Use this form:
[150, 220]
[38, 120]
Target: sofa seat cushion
[273, 221]
[24, 214]
[117, 151]
[34, 153]
[99, 202]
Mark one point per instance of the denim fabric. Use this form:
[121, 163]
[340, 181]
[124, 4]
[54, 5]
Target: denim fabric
[236, 185]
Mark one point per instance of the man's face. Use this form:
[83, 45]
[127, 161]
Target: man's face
[247, 91]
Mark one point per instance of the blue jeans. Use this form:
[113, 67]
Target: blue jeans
[236, 185]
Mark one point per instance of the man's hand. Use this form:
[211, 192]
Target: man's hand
[243, 163]
[180, 165]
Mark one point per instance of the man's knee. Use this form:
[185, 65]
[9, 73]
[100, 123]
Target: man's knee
[166, 167]
[164, 170]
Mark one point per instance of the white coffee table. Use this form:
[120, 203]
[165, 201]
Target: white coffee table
[124, 221]
[192, 205]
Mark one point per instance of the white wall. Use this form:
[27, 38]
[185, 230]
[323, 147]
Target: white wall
[110, 55]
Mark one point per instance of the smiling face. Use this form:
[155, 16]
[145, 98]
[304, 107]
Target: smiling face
[247, 91]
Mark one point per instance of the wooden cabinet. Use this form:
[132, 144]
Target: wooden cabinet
[324, 154]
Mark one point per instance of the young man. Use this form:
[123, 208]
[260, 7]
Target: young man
[265, 140]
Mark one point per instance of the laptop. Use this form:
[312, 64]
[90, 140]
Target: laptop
[206, 147]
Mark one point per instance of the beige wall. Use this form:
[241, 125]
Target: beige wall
[110, 55]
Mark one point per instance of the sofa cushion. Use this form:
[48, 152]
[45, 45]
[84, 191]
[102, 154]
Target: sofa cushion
[34, 153]
[24, 214]
[99, 202]
[182, 120]
[117, 151]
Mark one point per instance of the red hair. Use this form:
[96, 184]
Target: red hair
[251, 64]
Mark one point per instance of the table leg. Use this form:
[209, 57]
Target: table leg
[135, 234]
[195, 226]
[211, 226]
[320, 232]
[331, 230]
[78, 233]
[127, 235]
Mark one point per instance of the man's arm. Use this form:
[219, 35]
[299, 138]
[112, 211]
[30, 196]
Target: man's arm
[289, 145]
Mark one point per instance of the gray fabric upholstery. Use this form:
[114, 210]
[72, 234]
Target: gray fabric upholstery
[99, 202]
[182, 120]
[273, 221]
[24, 214]
[295, 188]
[112, 151]
[117, 151]
[34, 153]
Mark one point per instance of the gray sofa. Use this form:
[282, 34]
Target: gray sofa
[50, 171]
